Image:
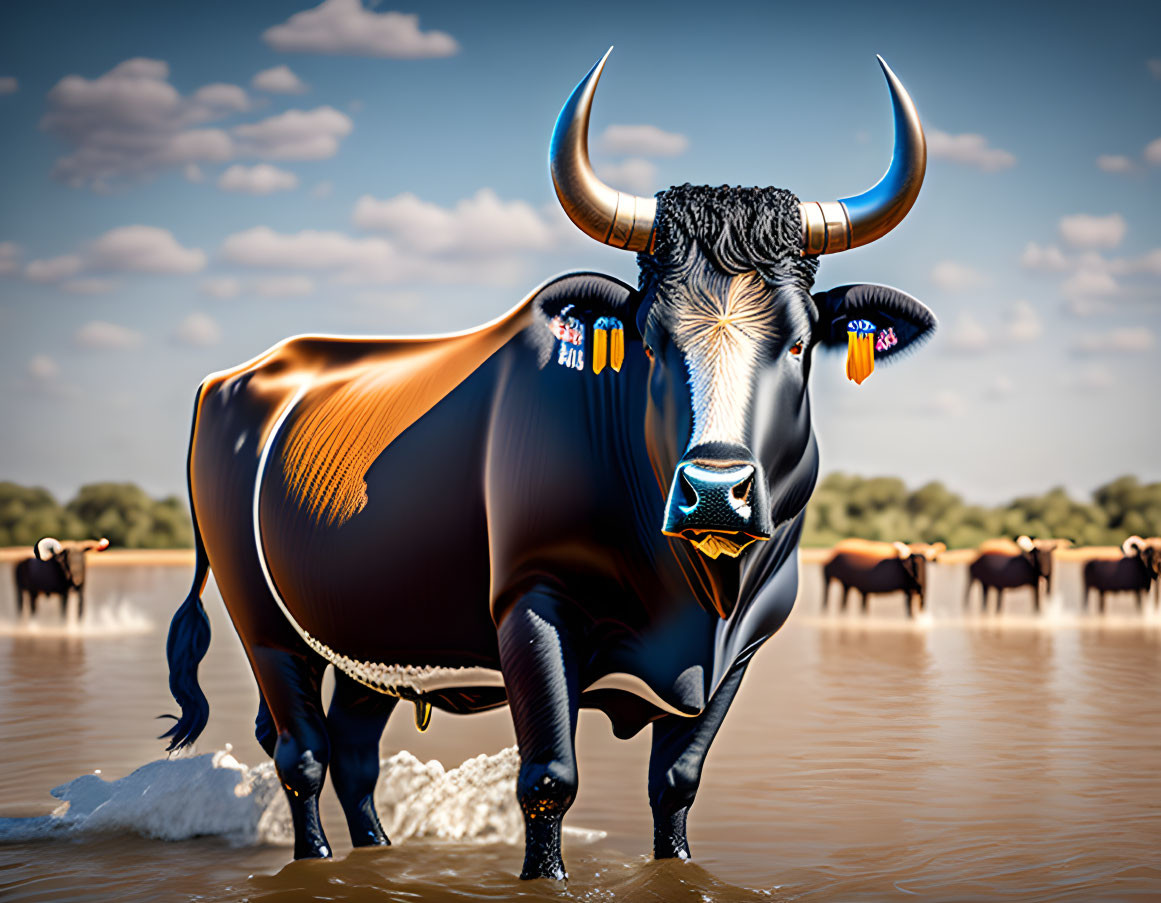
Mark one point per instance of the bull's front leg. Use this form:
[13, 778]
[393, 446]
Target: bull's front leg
[679, 749]
[540, 674]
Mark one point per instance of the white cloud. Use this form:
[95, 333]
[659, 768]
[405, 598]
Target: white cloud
[221, 287]
[284, 286]
[53, 269]
[89, 285]
[969, 335]
[323, 189]
[1082, 230]
[1024, 323]
[261, 246]
[1149, 263]
[132, 121]
[642, 141]
[10, 254]
[278, 80]
[1129, 340]
[347, 27]
[956, 277]
[1090, 379]
[999, 388]
[193, 173]
[260, 179]
[143, 249]
[968, 150]
[104, 335]
[1089, 289]
[635, 175]
[1153, 152]
[1115, 163]
[9, 85]
[1043, 257]
[1154, 66]
[481, 224]
[43, 368]
[296, 134]
[944, 403]
[198, 330]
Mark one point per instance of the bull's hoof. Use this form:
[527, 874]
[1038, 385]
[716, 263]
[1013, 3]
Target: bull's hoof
[370, 839]
[669, 841]
[542, 857]
[312, 850]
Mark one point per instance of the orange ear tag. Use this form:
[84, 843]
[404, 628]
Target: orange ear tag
[860, 350]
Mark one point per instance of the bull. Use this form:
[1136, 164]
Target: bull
[594, 501]
[880, 567]
[1003, 564]
[55, 568]
[1134, 572]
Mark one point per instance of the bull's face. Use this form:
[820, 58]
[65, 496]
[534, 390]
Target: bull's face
[728, 414]
[727, 418]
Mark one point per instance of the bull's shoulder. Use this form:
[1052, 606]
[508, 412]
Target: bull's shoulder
[999, 547]
[867, 548]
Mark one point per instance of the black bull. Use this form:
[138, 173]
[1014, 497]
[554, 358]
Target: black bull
[462, 522]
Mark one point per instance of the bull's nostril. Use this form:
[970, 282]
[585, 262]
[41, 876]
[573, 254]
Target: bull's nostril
[688, 497]
[740, 496]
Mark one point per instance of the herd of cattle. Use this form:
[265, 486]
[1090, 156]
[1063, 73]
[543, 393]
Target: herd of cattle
[1000, 564]
[863, 566]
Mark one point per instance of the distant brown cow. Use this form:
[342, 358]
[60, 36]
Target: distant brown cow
[1003, 564]
[55, 568]
[880, 567]
[1134, 572]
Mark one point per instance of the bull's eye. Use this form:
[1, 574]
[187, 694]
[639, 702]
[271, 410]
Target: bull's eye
[648, 352]
[796, 348]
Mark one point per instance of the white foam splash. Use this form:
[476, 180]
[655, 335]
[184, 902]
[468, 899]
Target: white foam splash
[115, 619]
[216, 795]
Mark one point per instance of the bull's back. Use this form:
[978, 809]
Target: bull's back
[865, 570]
[1002, 570]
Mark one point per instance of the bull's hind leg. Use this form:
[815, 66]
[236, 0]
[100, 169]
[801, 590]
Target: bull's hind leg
[355, 722]
[290, 683]
[679, 750]
[541, 677]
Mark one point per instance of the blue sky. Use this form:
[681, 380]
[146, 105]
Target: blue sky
[386, 173]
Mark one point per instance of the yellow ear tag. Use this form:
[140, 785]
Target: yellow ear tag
[860, 350]
[422, 715]
[617, 352]
[608, 344]
[600, 346]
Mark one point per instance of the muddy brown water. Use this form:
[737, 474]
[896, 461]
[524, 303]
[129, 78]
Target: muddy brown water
[957, 757]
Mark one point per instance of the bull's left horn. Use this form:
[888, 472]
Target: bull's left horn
[606, 214]
[833, 226]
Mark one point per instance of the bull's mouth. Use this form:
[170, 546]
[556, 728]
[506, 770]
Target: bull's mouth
[713, 543]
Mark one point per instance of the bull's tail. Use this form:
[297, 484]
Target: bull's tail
[189, 638]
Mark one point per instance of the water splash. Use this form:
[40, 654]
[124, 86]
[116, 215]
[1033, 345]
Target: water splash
[216, 795]
[115, 619]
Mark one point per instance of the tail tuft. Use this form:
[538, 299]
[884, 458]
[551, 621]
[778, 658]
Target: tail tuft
[189, 639]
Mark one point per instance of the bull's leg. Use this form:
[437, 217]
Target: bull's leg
[863, 602]
[290, 687]
[846, 595]
[355, 722]
[1101, 600]
[540, 675]
[1036, 597]
[999, 599]
[33, 597]
[80, 604]
[825, 591]
[675, 762]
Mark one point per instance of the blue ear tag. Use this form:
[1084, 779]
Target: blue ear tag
[571, 333]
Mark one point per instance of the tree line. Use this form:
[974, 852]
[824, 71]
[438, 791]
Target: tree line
[843, 505]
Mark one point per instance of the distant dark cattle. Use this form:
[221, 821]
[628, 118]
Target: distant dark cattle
[55, 569]
[880, 567]
[1134, 572]
[1003, 564]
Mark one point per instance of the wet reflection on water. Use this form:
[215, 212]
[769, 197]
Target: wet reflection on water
[866, 758]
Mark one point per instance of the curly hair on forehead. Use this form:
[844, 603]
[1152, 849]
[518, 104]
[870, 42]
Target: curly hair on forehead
[736, 229]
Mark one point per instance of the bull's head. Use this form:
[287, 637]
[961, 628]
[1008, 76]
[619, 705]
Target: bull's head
[68, 556]
[727, 318]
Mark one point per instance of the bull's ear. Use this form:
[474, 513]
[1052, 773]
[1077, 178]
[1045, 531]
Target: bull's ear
[899, 321]
[586, 320]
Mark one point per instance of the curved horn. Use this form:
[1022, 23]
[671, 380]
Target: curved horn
[610, 216]
[833, 226]
[47, 547]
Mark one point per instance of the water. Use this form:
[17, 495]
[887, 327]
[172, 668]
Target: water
[959, 756]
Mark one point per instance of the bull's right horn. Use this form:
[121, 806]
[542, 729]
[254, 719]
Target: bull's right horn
[1025, 543]
[833, 226]
[1132, 546]
[46, 548]
[610, 216]
[902, 549]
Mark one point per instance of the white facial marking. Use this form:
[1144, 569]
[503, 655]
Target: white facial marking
[721, 338]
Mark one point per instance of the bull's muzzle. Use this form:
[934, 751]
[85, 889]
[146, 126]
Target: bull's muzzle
[720, 508]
